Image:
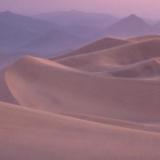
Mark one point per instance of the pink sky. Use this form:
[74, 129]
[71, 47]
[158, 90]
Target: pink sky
[147, 8]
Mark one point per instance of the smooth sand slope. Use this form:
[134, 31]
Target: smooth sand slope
[98, 45]
[115, 57]
[53, 87]
[29, 134]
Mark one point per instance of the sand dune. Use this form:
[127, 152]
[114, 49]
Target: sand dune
[39, 135]
[52, 87]
[99, 102]
[115, 57]
[101, 44]
[146, 69]
[144, 38]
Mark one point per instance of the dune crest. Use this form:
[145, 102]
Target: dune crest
[101, 44]
[147, 69]
[51, 88]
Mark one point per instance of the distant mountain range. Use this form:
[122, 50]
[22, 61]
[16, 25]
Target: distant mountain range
[54, 41]
[80, 23]
[78, 18]
[16, 30]
[52, 33]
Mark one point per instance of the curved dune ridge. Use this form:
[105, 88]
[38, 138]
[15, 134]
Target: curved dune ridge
[101, 44]
[146, 69]
[51, 87]
[144, 38]
[40, 135]
[115, 57]
[85, 105]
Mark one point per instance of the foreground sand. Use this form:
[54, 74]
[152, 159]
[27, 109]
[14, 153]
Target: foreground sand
[29, 134]
[96, 105]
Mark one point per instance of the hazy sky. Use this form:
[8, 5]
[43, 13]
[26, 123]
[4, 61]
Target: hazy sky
[147, 8]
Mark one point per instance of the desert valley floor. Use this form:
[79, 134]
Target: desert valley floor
[99, 102]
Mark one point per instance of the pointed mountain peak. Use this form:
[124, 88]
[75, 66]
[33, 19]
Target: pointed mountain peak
[132, 20]
[130, 26]
[133, 17]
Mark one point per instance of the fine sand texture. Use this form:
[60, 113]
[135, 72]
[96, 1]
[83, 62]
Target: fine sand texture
[30, 134]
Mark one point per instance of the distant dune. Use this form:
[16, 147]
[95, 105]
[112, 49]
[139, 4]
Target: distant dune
[145, 69]
[115, 57]
[144, 38]
[101, 44]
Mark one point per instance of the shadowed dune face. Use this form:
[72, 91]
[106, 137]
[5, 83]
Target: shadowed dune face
[5, 94]
[51, 86]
